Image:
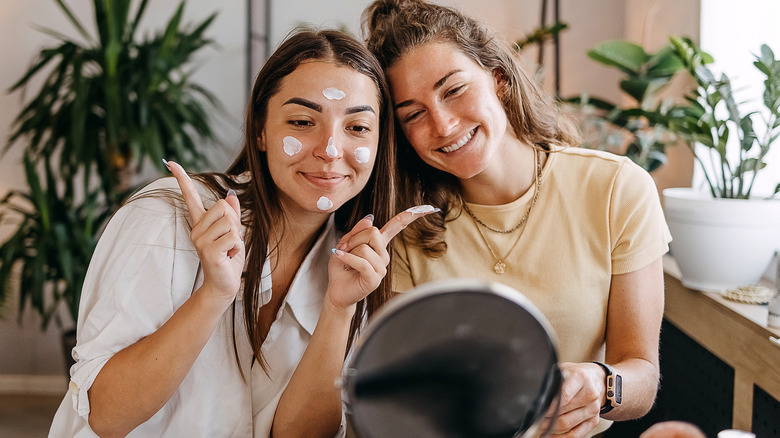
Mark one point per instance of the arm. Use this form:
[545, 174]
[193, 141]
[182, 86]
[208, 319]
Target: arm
[634, 316]
[310, 406]
[137, 381]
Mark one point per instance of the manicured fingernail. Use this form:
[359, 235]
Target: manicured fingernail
[369, 217]
[166, 163]
[231, 192]
[338, 252]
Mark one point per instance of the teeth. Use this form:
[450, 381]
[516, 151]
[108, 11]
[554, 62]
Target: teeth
[458, 144]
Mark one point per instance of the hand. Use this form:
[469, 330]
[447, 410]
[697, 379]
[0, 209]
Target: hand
[361, 257]
[216, 234]
[582, 395]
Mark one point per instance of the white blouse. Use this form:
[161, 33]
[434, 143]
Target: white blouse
[143, 269]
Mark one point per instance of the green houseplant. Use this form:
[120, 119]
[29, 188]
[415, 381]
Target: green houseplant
[724, 236]
[106, 105]
[638, 129]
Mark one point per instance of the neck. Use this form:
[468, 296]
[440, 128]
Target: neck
[509, 176]
[300, 233]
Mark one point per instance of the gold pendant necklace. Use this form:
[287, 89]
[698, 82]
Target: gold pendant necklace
[500, 266]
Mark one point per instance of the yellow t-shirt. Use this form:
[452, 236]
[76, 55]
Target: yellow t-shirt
[597, 215]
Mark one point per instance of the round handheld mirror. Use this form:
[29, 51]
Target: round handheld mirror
[454, 358]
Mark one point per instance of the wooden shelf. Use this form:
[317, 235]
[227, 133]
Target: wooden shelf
[736, 333]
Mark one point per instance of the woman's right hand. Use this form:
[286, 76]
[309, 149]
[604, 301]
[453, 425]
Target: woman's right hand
[217, 237]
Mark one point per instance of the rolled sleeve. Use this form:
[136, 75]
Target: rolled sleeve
[144, 267]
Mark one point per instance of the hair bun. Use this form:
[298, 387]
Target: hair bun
[381, 10]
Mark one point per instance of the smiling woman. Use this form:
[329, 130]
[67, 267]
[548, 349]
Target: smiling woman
[579, 232]
[274, 264]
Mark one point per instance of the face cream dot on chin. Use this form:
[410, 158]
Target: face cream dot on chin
[291, 145]
[324, 203]
[362, 155]
[331, 149]
[332, 93]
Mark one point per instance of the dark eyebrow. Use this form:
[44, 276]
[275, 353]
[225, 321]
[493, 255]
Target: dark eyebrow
[304, 102]
[436, 86]
[359, 109]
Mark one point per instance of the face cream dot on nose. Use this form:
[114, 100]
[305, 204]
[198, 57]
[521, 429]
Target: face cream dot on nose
[362, 154]
[324, 203]
[333, 93]
[291, 145]
[331, 149]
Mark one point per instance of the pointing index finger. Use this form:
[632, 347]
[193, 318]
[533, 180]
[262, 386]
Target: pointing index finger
[404, 218]
[188, 191]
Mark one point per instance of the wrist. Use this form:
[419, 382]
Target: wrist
[210, 300]
[613, 388]
[338, 310]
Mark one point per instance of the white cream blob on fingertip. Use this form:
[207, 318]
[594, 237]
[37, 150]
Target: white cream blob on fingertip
[331, 149]
[362, 154]
[332, 93]
[291, 145]
[422, 209]
[324, 203]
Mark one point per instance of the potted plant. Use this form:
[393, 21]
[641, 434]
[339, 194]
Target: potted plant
[637, 129]
[725, 236]
[106, 106]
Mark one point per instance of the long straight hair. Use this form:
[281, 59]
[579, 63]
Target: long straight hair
[258, 194]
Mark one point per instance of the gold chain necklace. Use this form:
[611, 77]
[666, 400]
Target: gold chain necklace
[500, 267]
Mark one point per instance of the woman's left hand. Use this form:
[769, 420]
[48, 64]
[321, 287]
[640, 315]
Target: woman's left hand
[361, 257]
[582, 395]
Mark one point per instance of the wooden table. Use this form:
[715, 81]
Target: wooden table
[736, 333]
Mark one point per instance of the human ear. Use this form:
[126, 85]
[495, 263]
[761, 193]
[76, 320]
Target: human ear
[502, 83]
[261, 142]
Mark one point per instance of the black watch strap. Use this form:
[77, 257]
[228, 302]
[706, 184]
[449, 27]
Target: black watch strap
[613, 388]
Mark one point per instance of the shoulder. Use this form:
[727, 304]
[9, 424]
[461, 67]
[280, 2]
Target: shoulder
[583, 157]
[591, 164]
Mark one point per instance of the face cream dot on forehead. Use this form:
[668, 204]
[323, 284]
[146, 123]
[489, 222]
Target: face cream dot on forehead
[332, 93]
[291, 145]
[420, 209]
[331, 149]
[362, 154]
[324, 203]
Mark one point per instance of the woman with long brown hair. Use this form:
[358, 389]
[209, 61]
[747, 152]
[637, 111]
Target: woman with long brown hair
[224, 304]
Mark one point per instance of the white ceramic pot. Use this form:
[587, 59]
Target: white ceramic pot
[721, 243]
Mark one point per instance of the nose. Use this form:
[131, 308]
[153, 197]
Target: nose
[330, 149]
[444, 122]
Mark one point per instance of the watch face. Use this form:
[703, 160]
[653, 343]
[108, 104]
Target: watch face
[618, 389]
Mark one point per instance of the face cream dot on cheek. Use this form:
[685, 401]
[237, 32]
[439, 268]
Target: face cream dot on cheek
[332, 93]
[331, 149]
[324, 203]
[291, 145]
[362, 155]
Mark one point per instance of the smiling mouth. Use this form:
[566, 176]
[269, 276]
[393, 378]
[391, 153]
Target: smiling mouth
[460, 143]
[324, 179]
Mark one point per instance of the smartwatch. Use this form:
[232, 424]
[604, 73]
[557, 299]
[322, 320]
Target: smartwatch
[614, 388]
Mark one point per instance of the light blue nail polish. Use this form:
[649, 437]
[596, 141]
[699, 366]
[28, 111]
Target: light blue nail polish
[334, 251]
[370, 217]
[232, 192]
